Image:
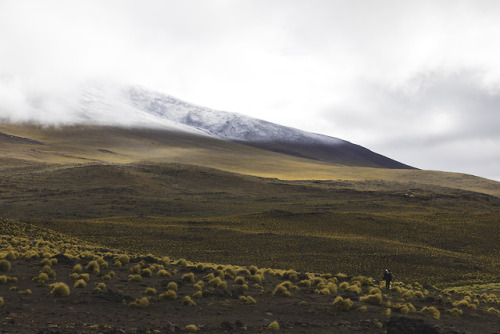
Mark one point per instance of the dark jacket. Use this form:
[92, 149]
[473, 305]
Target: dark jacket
[387, 276]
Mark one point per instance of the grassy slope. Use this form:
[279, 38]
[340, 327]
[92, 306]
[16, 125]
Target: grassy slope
[358, 225]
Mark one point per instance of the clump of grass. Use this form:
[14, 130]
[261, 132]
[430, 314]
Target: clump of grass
[257, 278]
[146, 272]
[455, 312]
[135, 278]
[170, 294]
[150, 291]
[305, 283]
[188, 301]
[191, 328]
[94, 267]
[493, 311]
[164, 273]
[60, 289]
[78, 268]
[273, 326]
[239, 280]
[189, 278]
[80, 283]
[85, 277]
[41, 278]
[281, 290]
[5, 265]
[1, 301]
[246, 300]
[198, 294]
[172, 286]
[123, 259]
[182, 263]
[342, 304]
[373, 299]
[140, 303]
[11, 255]
[100, 287]
[362, 309]
[431, 312]
[26, 292]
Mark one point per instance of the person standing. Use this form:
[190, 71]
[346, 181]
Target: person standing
[387, 278]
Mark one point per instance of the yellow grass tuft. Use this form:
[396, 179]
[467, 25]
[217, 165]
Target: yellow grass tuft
[80, 283]
[281, 290]
[273, 326]
[189, 278]
[172, 286]
[198, 294]
[246, 300]
[431, 312]
[135, 278]
[188, 301]
[374, 299]
[1, 301]
[60, 289]
[191, 328]
[342, 304]
[164, 273]
[455, 312]
[150, 291]
[170, 294]
[123, 259]
[5, 265]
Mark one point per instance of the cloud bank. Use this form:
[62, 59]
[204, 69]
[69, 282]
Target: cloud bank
[415, 80]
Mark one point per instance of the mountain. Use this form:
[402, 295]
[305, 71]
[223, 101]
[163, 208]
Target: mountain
[138, 106]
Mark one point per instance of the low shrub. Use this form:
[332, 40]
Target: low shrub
[80, 283]
[342, 304]
[94, 267]
[246, 300]
[431, 312]
[375, 299]
[135, 278]
[198, 294]
[188, 301]
[273, 326]
[41, 278]
[189, 278]
[455, 312]
[150, 291]
[146, 272]
[5, 265]
[123, 259]
[140, 303]
[170, 294]
[239, 280]
[60, 289]
[164, 273]
[172, 286]
[191, 328]
[281, 290]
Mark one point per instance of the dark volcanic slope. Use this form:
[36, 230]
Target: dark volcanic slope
[346, 153]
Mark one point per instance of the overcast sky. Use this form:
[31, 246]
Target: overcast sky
[418, 81]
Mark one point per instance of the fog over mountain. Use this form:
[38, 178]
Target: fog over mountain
[132, 106]
[418, 81]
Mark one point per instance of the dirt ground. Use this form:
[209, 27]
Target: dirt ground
[86, 310]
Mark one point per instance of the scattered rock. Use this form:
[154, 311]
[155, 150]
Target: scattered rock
[403, 325]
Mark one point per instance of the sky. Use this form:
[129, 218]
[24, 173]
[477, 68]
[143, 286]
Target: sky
[415, 80]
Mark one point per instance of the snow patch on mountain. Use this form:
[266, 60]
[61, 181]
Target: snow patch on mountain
[220, 124]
